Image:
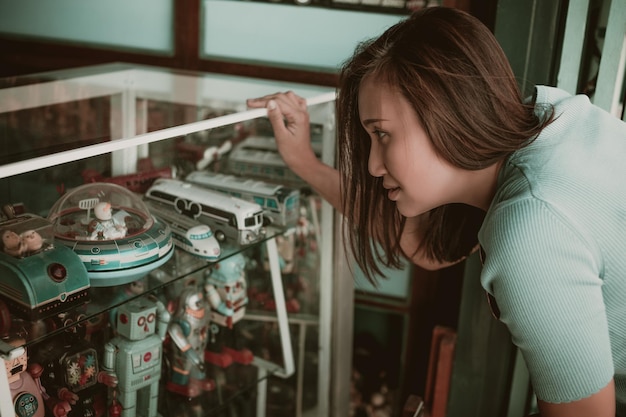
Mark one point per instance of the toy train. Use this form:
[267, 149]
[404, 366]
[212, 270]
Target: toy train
[188, 234]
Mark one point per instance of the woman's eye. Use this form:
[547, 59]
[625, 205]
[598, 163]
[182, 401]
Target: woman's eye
[379, 133]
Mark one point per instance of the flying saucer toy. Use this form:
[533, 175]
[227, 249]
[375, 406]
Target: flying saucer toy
[112, 231]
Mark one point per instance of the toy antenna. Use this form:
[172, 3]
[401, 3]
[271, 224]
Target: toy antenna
[88, 204]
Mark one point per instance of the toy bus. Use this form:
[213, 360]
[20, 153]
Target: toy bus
[258, 156]
[280, 203]
[188, 234]
[229, 217]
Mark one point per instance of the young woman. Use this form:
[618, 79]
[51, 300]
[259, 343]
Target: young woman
[440, 153]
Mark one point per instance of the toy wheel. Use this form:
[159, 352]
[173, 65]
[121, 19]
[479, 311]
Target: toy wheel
[5, 319]
[219, 235]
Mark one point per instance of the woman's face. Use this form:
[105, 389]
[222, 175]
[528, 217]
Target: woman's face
[416, 177]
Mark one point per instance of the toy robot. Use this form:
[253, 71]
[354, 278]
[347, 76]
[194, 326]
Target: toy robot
[125, 292]
[305, 233]
[286, 247]
[134, 356]
[27, 394]
[71, 373]
[213, 153]
[226, 290]
[188, 331]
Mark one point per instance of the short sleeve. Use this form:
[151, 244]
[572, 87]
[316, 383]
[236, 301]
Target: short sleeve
[546, 279]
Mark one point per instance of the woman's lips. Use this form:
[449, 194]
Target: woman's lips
[392, 194]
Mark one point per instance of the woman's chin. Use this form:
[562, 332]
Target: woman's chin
[410, 210]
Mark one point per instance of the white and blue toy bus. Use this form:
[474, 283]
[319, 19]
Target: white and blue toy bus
[280, 203]
[257, 156]
[229, 217]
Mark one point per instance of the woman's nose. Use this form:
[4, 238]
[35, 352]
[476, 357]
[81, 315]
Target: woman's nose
[375, 164]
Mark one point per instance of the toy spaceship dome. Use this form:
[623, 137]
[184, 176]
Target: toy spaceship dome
[100, 211]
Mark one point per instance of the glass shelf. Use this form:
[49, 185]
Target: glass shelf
[102, 300]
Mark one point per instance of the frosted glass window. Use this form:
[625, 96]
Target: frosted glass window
[289, 35]
[138, 24]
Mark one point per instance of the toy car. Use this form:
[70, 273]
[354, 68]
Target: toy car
[38, 277]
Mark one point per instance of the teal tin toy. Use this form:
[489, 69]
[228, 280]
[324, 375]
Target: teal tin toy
[38, 277]
[112, 231]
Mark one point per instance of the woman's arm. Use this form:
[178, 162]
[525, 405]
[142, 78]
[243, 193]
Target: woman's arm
[289, 117]
[600, 404]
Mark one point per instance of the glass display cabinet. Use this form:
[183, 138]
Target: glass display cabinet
[157, 255]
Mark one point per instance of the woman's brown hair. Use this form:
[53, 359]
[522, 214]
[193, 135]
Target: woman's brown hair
[451, 69]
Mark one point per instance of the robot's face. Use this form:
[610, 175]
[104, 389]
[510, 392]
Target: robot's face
[230, 270]
[16, 363]
[136, 320]
[194, 305]
[136, 287]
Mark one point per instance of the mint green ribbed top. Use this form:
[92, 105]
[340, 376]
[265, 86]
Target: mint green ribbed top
[554, 240]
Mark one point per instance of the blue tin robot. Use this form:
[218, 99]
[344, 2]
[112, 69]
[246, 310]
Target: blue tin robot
[226, 292]
[135, 356]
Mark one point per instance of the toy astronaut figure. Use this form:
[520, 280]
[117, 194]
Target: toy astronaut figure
[107, 225]
[134, 356]
[13, 244]
[189, 334]
[27, 393]
[28, 242]
[226, 290]
[33, 242]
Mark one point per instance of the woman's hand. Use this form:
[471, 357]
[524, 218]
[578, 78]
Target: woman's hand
[289, 117]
